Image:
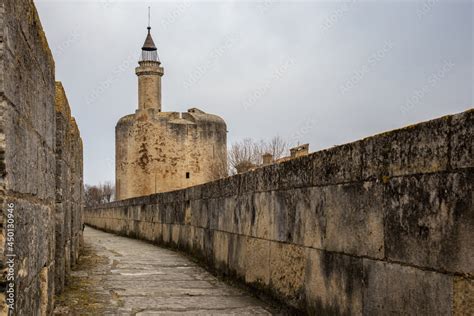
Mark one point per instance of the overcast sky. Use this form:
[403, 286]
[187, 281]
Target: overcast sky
[322, 72]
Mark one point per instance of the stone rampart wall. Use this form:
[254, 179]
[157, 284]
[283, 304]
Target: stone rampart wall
[384, 225]
[40, 168]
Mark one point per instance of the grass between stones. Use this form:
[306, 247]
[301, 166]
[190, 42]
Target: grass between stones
[82, 295]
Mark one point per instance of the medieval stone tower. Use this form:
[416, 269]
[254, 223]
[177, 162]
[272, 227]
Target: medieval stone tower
[163, 151]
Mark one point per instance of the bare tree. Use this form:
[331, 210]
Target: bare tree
[248, 153]
[241, 152]
[108, 191]
[277, 147]
[98, 194]
[92, 195]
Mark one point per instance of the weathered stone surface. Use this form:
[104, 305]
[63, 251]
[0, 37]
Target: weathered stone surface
[199, 213]
[314, 215]
[145, 230]
[175, 232]
[295, 173]
[345, 218]
[267, 178]
[257, 258]
[429, 221]
[287, 270]
[421, 148]
[227, 217]
[333, 283]
[462, 140]
[395, 289]
[69, 189]
[165, 233]
[463, 296]
[221, 250]
[337, 165]
[286, 215]
[260, 209]
[354, 219]
[237, 251]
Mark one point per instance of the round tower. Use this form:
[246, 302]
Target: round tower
[158, 151]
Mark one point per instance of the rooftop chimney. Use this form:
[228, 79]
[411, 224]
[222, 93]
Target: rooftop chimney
[299, 151]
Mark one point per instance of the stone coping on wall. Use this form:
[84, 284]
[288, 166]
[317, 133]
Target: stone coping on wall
[435, 146]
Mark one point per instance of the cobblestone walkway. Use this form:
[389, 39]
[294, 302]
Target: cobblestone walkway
[122, 276]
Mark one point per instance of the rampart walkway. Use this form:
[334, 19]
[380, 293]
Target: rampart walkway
[122, 276]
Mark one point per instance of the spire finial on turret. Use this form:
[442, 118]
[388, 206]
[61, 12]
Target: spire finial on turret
[149, 19]
[149, 51]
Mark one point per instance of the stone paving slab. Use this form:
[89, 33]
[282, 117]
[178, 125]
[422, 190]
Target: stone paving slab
[123, 276]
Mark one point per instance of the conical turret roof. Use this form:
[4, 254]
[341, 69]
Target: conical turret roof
[149, 44]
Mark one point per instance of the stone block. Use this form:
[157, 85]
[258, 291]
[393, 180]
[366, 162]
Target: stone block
[334, 283]
[229, 186]
[221, 251]
[243, 214]
[354, 219]
[462, 140]
[429, 221]
[157, 233]
[34, 222]
[227, 218]
[208, 246]
[260, 214]
[135, 212]
[199, 213]
[148, 213]
[463, 296]
[248, 182]
[175, 232]
[343, 218]
[145, 231]
[187, 213]
[193, 193]
[421, 148]
[158, 213]
[214, 210]
[237, 252]
[46, 286]
[267, 178]
[314, 215]
[257, 262]
[185, 238]
[198, 241]
[179, 212]
[166, 233]
[393, 289]
[286, 215]
[287, 270]
[340, 164]
[295, 173]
